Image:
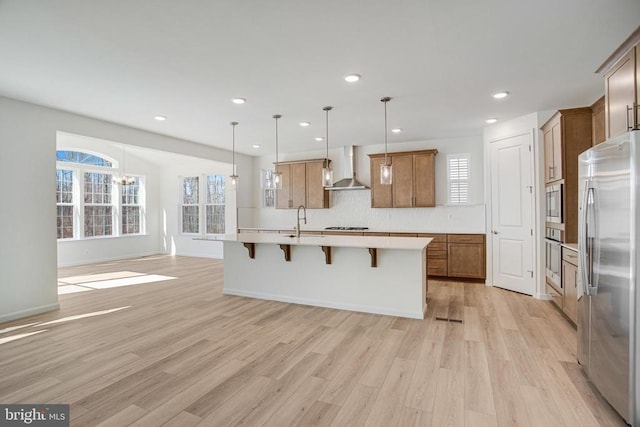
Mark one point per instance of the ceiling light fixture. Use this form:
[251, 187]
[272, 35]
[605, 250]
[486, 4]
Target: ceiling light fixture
[500, 95]
[124, 179]
[239, 101]
[491, 121]
[396, 130]
[234, 177]
[277, 176]
[160, 118]
[256, 146]
[327, 172]
[386, 170]
[304, 124]
[319, 138]
[352, 78]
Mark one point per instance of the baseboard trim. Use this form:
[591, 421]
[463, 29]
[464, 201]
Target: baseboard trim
[326, 304]
[107, 259]
[29, 312]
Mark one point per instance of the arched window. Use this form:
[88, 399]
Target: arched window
[90, 202]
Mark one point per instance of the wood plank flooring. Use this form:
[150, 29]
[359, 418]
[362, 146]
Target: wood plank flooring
[177, 352]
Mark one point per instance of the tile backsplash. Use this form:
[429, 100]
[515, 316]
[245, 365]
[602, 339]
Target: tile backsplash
[353, 208]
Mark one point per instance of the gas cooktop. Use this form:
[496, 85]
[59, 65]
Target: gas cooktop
[347, 228]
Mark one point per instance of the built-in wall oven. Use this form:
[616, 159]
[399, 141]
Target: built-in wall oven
[554, 203]
[553, 260]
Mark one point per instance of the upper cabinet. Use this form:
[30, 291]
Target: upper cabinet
[552, 149]
[301, 185]
[413, 181]
[622, 87]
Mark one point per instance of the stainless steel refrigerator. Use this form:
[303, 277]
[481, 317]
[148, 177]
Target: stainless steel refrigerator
[608, 297]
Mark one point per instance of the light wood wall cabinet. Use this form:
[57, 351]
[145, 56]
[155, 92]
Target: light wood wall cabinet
[301, 185]
[566, 134]
[621, 83]
[466, 256]
[413, 183]
[570, 283]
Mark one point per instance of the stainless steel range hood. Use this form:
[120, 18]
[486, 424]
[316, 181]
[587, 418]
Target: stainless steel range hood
[349, 182]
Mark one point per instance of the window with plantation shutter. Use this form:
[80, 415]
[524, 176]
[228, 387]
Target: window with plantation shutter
[458, 178]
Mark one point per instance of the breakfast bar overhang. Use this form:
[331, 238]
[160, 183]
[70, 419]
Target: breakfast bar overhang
[382, 275]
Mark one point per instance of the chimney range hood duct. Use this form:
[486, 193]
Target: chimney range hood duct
[349, 182]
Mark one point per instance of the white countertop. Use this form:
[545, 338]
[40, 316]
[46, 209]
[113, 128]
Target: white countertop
[378, 242]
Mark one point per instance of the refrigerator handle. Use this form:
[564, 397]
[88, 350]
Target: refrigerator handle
[584, 246]
[591, 287]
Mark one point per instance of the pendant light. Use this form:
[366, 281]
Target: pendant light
[124, 179]
[386, 170]
[277, 176]
[327, 172]
[234, 177]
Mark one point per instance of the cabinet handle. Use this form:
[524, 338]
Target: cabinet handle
[551, 172]
[629, 109]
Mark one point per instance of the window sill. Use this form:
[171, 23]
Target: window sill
[84, 239]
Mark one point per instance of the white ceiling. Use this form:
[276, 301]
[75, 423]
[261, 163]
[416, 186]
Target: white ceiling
[440, 60]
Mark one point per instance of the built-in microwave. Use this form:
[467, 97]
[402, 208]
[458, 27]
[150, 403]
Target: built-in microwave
[554, 203]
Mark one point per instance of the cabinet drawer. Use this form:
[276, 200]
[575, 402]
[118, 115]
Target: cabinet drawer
[437, 238]
[465, 238]
[376, 233]
[556, 297]
[431, 254]
[437, 247]
[437, 267]
[570, 256]
[403, 234]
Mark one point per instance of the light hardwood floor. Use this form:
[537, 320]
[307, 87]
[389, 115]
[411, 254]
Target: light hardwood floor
[179, 353]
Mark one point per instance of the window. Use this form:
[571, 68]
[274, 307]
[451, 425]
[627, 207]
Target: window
[215, 204]
[132, 207]
[269, 193]
[458, 178]
[98, 211]
[82, 158]
[190, 207]
[64, 203]
[203, 207]
[89, 202]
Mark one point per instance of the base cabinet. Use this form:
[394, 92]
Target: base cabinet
[570, 283]
[466, 256]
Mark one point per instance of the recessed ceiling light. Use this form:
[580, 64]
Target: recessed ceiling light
[238, 101]
[256, 145]
[319, 138]
[160, 118]
[491, 121]
[396, 130]
[500, 95]
[304, 124]
[352, 78]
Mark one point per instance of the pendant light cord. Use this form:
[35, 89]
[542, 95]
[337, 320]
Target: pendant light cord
[233, 154]
[385, 100]
[326, 159]
[277, 116]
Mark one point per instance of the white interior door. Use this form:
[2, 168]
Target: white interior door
[512, 214]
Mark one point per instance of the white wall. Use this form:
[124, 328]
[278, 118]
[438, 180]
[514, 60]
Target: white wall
[353, 207]
[28, 256]
[518, 126]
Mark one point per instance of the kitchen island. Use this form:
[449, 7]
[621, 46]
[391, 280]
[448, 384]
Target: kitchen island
[372, 274]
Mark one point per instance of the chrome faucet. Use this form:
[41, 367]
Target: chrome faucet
[298, 219]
